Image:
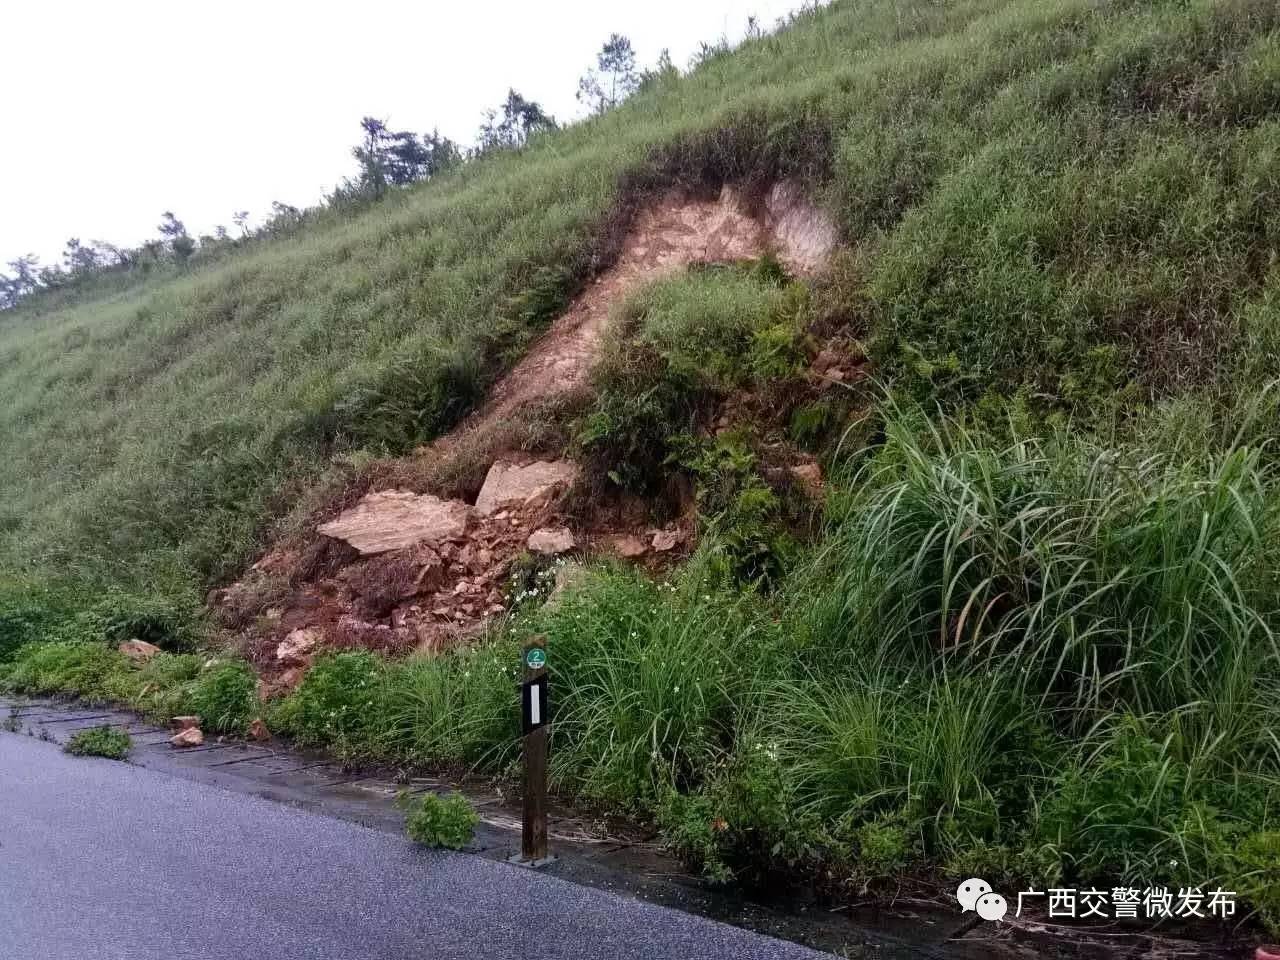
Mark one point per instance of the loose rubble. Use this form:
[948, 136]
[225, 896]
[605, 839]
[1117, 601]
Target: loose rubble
[552, 540]
[139, 651]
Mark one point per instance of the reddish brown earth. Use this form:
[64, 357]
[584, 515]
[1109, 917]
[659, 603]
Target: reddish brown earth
[402, 570]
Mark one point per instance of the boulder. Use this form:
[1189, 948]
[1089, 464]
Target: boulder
[665, 540]
[394, 519]
[296, 649]
[825, 360]
[552, 540]
[509, 485]
[139, 651]
[258, 730]
[629, 547]
[188, 737]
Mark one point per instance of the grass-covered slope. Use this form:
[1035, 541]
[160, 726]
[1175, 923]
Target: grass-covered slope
[1076, 196]
[1035, 636]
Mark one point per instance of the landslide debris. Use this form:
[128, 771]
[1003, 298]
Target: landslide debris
[403, 569]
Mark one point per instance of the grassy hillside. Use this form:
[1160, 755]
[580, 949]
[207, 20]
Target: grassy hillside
[1036, 637]
[1073, 196]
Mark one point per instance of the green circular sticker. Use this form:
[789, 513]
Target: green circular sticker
[536, 658]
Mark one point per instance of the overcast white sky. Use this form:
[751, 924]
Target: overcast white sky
[115, 112]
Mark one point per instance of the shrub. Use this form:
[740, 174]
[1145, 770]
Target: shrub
[776, 354]
[75, 669]
[1256, 864]
[101, 741]
[225, 697]
[436, 821]
[336, 704]
[27, 618]
[31, 615]
[691, 828]
[745, 537]
[164, 620]
[640, 403]
[164, 685]
[755, 829]
[1132, 810]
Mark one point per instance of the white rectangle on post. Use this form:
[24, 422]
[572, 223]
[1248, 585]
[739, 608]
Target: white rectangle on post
[535, 706]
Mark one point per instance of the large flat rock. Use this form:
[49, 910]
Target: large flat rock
[394, 519]
[510, 485]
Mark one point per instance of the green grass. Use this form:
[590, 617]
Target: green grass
[101, 741]
[679, 346]
[1034, 659]
[225, 697]
[1027, 657]
[1035, 637]
[1069, 195]
[436, 821]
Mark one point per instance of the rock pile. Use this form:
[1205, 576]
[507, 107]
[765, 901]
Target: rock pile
[430, 572]
[186, 732]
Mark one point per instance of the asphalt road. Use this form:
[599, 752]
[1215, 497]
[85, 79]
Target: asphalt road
[105, 860]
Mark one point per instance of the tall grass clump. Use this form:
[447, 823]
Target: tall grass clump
[646, 678]
[1106, 574]
[1043, 633]
[225, 697]
[451, 710]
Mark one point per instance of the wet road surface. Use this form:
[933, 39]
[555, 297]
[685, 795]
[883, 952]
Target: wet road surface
[109, 860]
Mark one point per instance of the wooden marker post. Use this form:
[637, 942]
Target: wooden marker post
[534, 703]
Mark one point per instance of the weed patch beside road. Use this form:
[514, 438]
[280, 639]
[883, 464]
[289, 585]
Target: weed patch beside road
[103, 741]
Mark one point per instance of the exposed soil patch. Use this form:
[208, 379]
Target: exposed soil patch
[670, 236]
[407, 569]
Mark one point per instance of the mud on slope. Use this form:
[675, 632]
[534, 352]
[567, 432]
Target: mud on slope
[402, 569]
